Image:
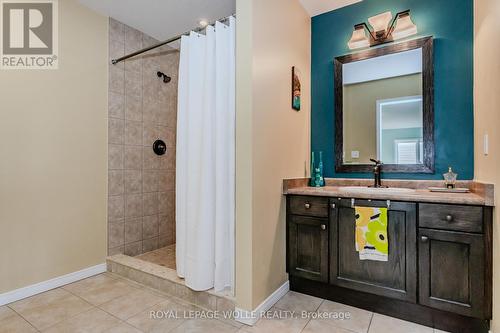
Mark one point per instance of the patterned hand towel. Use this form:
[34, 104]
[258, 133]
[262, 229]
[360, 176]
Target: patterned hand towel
[371, 233]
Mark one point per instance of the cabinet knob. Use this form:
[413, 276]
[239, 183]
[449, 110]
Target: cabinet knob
[424, 239]
[333, 206]
[449, 218]
[307, 205]
[323, 227]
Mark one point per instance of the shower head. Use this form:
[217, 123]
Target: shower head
[166, 78]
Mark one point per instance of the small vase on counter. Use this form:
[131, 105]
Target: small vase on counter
[317, 179]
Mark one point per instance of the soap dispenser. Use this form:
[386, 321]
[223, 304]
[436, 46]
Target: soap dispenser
[450, 178]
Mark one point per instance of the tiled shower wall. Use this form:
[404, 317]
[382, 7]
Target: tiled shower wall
[142, 108]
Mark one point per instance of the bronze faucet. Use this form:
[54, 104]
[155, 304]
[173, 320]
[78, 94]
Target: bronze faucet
[376, 173]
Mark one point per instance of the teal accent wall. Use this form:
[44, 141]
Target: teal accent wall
[450, 22]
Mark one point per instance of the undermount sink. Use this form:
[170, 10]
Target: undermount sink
[376, 189]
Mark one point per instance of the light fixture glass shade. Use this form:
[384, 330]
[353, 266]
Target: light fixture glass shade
[380, 22]
[404, 27]
[358, 39]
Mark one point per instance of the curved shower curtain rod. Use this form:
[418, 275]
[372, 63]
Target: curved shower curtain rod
[168, 41]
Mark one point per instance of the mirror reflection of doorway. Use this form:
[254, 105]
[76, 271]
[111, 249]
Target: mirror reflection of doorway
[399, 130]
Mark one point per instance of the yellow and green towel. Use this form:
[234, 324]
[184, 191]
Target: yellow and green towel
[371, 233]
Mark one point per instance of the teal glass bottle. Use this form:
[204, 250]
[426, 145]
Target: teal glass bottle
[312, 179]
[321, 178]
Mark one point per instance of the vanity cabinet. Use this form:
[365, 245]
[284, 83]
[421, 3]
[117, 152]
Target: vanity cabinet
[396, 277]
[308, 247]
[452, 257]
[307, 234]
[452, 269]
[438, 271]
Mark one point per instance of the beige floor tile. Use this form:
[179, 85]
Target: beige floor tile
[89, 283]
[11, 322]
[319, 326]
[131, 304]
[231, 322]
[204, 326]
[173, 316]
[273, 325]
[93, 321]
[346, 317]
[49, 308]
[100, 289]
[298, 302]
[123, 328]
[383, 324]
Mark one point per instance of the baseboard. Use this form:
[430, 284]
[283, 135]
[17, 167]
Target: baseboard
[251, 317]
[15, 295]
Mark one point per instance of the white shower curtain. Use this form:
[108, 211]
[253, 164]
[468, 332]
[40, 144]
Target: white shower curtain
[205, 180]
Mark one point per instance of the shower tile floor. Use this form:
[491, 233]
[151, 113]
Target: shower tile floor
[164, 257]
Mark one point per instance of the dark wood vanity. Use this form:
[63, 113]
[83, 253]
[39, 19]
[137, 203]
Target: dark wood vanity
[439, 268]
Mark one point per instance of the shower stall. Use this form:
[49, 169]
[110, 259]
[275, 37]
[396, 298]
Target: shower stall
[171, 161]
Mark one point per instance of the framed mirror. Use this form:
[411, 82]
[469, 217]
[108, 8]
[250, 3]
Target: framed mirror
[384, 108]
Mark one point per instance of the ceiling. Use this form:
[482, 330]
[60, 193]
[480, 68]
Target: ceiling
[163, 19]
[316, 7]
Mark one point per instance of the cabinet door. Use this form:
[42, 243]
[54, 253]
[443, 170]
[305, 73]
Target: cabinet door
[395, 278]
[451, 266]
[308, 247]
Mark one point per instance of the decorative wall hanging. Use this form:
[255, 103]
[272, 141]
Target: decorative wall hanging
[296, 88]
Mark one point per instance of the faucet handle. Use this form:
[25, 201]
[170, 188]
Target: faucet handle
[377, 162]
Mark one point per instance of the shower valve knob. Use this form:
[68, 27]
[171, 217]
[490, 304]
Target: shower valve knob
[159, 147]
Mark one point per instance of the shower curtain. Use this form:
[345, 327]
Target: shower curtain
[205, 163]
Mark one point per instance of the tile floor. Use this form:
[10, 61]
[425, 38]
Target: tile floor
[163, 257]
[109, 303]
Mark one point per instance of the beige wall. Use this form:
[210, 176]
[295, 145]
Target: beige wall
[360, 112]
[487, 119]
[273, 140]
[244, 144]
[53, 163]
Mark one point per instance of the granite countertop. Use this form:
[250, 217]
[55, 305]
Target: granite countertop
[481, 194]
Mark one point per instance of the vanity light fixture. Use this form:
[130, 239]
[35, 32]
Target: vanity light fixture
[385, 30]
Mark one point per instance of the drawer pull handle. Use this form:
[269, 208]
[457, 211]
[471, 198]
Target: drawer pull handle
[449, 218]
[424, 239]
[307, 205]
[323, 227]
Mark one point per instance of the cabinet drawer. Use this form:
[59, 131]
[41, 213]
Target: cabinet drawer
[451, 217]
[309, 206]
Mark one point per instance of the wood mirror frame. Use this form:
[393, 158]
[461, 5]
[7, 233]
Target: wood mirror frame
[426, 44]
